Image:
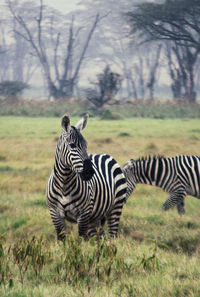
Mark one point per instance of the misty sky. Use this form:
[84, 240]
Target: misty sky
[63, 5]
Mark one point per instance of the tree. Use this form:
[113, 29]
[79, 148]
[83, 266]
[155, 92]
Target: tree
[111, 45]
[23, 65]
[177, 21]
[15, 61]
[181, 63]
[143, 74]
[5, 56]
[107, 85]
[62, 82]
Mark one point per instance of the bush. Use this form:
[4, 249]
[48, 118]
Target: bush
[12, 88]
[108, 115]
[107, 85]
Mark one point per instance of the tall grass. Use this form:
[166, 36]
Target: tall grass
[154, 250]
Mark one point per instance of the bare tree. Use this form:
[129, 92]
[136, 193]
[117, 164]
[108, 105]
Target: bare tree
[19, 52]
[5, 55]
[15, 62]
[62, 82]
[143, 73]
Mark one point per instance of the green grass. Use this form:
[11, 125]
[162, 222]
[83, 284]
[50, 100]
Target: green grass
[154, 250]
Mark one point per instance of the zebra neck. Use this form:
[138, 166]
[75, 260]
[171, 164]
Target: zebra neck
[145, 172]
[62, 174]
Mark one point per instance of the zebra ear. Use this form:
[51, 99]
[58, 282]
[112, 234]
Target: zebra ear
[65, 123]
[82, 123]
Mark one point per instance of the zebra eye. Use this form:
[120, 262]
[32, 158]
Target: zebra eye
[72, 145]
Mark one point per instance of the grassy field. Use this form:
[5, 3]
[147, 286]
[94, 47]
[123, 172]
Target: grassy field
[156, 254]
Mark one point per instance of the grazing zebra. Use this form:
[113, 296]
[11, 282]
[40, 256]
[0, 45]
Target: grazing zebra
[84, 189]
[179, 176]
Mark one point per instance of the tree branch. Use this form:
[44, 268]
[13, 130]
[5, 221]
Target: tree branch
[97, 18]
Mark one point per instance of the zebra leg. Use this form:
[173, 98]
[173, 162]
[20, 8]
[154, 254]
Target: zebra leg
[58, 220]
[181, 206]
[83, 225]
[169, 203]
[96, 229]
[113, 219]
[177, 200]
[103, 222]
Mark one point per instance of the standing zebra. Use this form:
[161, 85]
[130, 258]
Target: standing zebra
[179, 176]
[82, 188]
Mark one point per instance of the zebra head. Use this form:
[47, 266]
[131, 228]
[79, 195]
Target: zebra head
[73, 148]
[129, 171]
[129, 167]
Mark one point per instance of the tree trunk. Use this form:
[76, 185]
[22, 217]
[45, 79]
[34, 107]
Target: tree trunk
[191, 59]
[182, 72]
[152, 76]
[18, 71]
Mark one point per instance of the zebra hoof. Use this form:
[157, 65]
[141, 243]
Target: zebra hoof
[164, 208]
[61, 236]
[181, 212]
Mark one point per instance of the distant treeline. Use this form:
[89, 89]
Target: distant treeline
[114, 111]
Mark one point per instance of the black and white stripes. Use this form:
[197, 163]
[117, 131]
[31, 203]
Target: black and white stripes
[82, 188]
[179, 176]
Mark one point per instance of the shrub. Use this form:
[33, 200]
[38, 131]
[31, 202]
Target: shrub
[108, 115]
[12, 88]
[107, 85]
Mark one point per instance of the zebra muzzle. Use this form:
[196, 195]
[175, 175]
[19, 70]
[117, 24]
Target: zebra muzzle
[88, 170]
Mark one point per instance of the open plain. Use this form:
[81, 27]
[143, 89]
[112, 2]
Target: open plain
[156, 253]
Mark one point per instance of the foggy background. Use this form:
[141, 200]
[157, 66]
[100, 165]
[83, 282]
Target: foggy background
[107, 42]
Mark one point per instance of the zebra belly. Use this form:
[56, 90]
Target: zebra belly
[193, 193]
[72, 212]
[97, 212]
[69, 216]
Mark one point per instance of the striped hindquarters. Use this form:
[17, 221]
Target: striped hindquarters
[188, 170]
[113, 187]
[179, 174]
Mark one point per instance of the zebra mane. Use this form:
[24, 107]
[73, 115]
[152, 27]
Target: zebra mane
[150, 158]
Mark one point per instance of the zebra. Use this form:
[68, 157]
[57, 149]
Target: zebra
[179, 176]
[87, 189]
